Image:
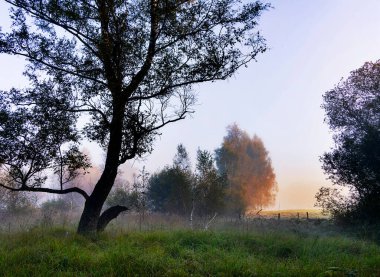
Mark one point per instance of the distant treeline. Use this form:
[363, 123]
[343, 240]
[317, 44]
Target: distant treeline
[234, 178]
[238, 176]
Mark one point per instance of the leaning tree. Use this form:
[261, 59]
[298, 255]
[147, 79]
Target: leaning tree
[127, 66]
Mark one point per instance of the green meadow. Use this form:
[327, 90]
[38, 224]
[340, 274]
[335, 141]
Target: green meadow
[61, 252]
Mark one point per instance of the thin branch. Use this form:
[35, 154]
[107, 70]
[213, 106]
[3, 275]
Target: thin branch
[91, 110]
[147, 131]
[164, 90]
[75, 32]
[195, 31]
[58, 68]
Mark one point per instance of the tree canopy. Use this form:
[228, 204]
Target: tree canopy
[353, 114]
[170, 191]
[248, 168]
[129, 66]
[178, 190]
[210, 186]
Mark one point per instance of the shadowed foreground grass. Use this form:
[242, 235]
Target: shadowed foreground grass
[59, 252]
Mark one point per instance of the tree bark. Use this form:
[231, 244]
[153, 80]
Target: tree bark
[108, 215]
[93, 206]
[90, 217]
[92, 220]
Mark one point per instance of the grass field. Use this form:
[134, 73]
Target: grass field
[60, 252]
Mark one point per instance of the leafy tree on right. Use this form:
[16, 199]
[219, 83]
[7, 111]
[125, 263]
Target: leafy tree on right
[244, 161]
[353, 114]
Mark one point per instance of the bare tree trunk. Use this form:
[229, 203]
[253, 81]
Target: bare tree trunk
[192, 214]
[91, 213]
[92, 220]
[90, 217]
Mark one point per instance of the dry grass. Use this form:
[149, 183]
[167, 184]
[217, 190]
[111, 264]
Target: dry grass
[296, 213]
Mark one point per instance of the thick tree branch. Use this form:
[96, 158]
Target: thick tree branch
[27, 55]
[108, 215]
[138, 78]
[48, 190]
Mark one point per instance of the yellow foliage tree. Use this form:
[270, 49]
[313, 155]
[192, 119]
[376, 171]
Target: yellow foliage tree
[248, 168]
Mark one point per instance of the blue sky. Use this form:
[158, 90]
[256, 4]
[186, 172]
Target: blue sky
[313, 44]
